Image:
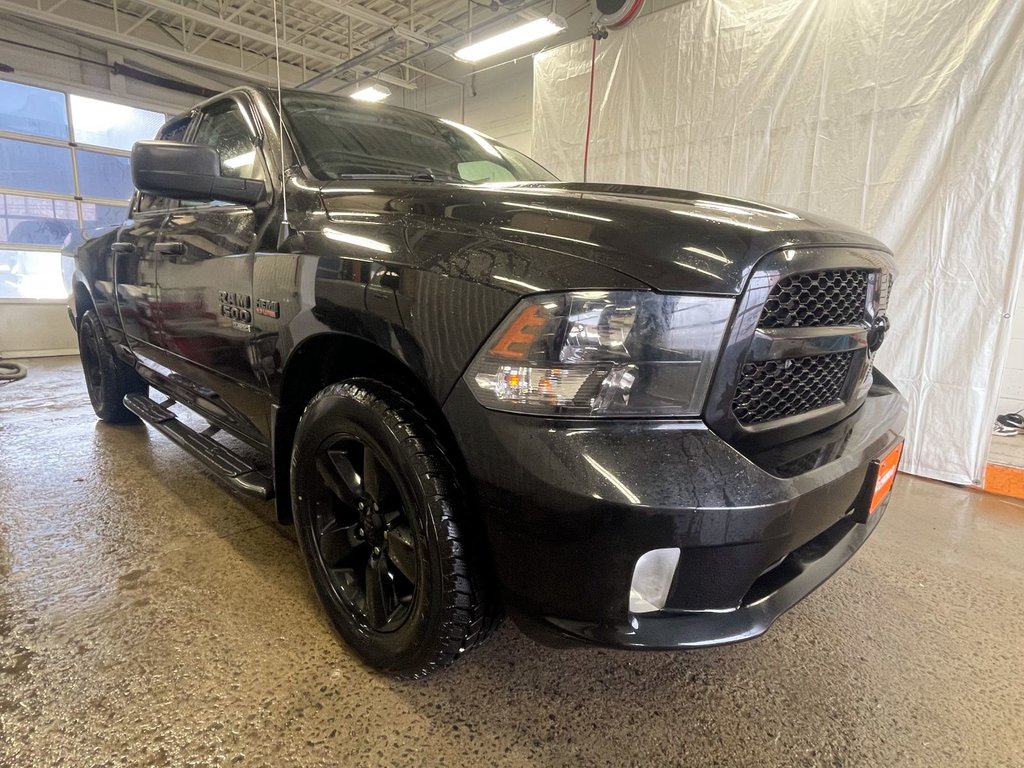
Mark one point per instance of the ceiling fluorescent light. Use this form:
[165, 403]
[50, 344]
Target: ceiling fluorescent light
[375, 92]
[538, 29]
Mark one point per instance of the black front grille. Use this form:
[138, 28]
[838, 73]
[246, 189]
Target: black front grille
[817, 299]
[775, 389]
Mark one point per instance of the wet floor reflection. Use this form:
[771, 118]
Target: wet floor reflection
[149, 617]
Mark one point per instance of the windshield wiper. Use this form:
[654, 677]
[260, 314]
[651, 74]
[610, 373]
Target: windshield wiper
[397, 176]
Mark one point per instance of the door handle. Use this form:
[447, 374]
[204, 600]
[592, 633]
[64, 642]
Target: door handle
[122, 247]
[170, 249]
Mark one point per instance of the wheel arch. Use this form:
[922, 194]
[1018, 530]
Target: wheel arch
[328, 358]
[82, 298]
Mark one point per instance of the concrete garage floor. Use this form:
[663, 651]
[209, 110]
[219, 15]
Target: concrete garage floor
[148, 617]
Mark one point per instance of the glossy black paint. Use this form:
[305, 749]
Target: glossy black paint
[668, 239]
[569, 506]
[797, 576]
[406, 279]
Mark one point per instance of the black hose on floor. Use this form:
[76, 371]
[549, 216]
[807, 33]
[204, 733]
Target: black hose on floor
[12, 372]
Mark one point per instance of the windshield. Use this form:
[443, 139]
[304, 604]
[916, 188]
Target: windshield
[339, 138]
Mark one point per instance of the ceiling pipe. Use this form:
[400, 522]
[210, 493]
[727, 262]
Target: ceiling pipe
[390, 40]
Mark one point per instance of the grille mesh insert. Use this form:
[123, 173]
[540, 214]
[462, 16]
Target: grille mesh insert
[774, 389]
[817, 299]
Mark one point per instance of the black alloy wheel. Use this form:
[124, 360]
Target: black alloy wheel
[364, 535]
[107, 379]
[381, 523]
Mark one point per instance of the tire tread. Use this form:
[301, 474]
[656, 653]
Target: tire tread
[470, 612]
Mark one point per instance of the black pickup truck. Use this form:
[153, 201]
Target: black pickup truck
[631, 416]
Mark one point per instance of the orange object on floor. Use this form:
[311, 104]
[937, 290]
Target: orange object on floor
[1006, 481]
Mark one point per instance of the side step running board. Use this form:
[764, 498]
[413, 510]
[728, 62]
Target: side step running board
[226, 464]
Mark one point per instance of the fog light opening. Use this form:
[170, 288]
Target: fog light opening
[652, 580]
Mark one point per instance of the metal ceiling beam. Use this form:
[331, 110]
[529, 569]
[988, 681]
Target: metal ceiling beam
[441, 46]
[360, 68]
[210, 20]
[167, 6]
[421, 71]
[183, 54]
[331, 66]
[117, 38]
[367, 16]
[390, 41]
[230, 17]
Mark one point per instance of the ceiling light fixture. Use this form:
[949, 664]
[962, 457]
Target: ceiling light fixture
[538, 29]
[375, 92]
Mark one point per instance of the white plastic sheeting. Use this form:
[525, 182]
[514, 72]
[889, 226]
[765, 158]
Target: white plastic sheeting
[902, 117]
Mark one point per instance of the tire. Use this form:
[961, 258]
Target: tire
[393, 575]
[107, 378]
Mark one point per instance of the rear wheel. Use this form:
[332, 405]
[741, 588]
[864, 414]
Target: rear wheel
[377, 513]
[107, 378]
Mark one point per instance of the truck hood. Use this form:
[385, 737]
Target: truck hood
[672, 240]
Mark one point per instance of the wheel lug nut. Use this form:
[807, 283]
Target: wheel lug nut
[376, 550]
[360, 506]
[360, 532]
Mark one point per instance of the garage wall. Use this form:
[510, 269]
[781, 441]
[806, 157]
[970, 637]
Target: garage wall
[498, 101]
[47, 59]
[33, 328]
[901, 118]
[499, 95]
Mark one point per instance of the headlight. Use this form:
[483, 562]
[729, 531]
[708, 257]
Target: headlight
[597, 353]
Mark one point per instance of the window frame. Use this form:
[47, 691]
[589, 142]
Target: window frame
[256, 133]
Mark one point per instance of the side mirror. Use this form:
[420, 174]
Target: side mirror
[188, 172]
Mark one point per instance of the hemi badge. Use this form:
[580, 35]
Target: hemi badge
[268, 308]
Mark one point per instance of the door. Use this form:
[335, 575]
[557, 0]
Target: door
[135, 258]
[205, 276]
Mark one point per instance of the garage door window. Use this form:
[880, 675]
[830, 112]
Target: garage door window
[64, 167]
[104, 175]
[104, 124]
[33, 167]
[36, 220]
[33, 274]
[35, 111]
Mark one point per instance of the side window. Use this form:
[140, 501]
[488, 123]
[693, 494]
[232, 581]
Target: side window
[224, 128]
[174, 131]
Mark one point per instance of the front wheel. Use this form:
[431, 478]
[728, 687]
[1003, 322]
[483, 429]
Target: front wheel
[107, 378]
[377, 517]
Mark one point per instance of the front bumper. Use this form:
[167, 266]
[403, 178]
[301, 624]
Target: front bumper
[568, 507]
